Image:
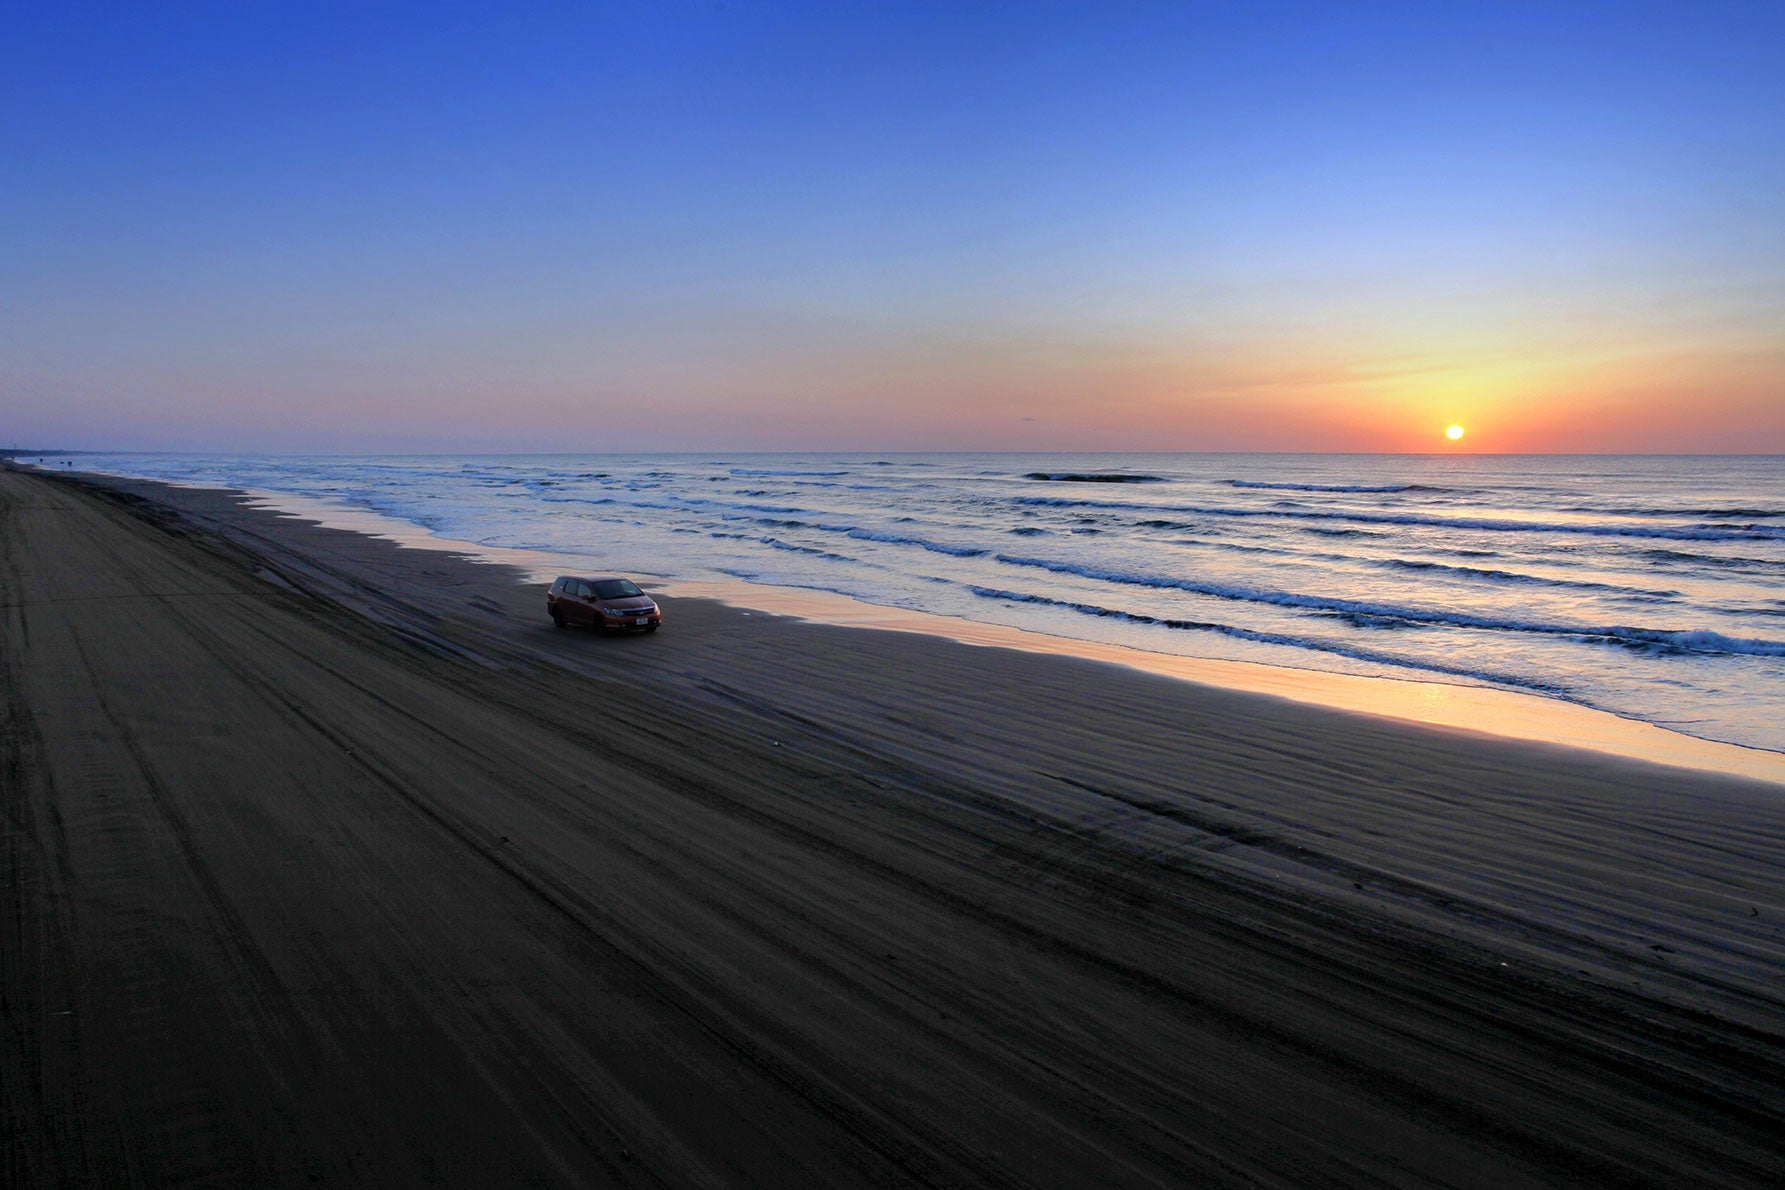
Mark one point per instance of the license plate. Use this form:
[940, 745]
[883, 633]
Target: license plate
[642, 620]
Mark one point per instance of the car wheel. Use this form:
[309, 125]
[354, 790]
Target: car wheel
[557, 617]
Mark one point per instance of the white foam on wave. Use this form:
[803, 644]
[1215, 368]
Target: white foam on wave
[1334, 487]
[1315, 644]
[935, 547]
[1486, 524]
[1685, 640]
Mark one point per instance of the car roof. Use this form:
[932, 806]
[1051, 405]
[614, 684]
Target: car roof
[593, 578]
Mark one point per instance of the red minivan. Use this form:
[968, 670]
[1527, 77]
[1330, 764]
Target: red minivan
[606, 603]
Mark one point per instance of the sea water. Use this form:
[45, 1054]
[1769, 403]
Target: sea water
[1652, 587]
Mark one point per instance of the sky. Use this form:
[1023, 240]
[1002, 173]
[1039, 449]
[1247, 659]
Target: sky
[1334, 226]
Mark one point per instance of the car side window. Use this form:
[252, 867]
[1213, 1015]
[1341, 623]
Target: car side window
[582, 590]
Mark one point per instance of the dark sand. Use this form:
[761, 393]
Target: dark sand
[330, 862]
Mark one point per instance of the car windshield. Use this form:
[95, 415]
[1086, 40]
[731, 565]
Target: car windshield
[616, 588]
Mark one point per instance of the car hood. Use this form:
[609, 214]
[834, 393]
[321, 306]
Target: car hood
[640, 603]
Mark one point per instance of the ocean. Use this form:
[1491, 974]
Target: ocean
[1652, 587]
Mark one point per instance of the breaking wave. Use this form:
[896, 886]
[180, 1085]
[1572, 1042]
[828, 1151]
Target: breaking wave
[1682, 640]
[1711, 532]
[1335, 487]
[1512, 576]
[1269, 638]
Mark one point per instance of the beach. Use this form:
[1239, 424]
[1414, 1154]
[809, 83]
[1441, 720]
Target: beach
[333, 862]
[1644, 586]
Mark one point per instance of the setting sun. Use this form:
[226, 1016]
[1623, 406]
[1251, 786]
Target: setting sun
[1453, 433]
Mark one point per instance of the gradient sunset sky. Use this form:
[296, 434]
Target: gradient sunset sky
[728, 226]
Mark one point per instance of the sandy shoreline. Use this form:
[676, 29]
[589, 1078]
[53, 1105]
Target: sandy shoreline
[332, 861]
[1510, 714]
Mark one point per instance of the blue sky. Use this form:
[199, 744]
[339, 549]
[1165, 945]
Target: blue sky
[1273, 226]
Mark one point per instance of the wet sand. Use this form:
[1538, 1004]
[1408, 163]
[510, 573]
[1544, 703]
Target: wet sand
[1496, 711]
[331, 862]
